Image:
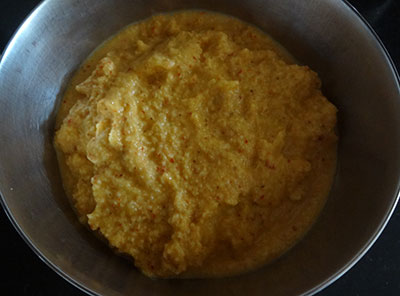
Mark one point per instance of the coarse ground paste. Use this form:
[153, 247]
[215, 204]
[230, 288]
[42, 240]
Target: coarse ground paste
[192, 142]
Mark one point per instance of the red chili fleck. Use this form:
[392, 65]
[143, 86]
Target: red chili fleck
[240, 71]
[142, 112]
[203, 12]
[69, 121]
[142, 148]
[161, 170]
[153, 215]
[194, 58]
[171, 160]
[245, 140]
[179, 74]
[190, 113]
[64, 101]
[262, 197]
[120, 175]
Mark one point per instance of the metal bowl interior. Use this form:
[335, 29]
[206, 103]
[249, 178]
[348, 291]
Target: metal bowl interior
[329, 36]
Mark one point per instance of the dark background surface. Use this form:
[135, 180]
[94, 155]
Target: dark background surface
[378, 272]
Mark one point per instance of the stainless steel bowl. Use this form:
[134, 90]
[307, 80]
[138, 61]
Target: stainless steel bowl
[357, 74]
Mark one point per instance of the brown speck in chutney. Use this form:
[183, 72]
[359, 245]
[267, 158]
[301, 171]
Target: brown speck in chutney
[269, 165]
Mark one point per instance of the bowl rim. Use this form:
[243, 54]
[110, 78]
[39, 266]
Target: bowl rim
[318, 288]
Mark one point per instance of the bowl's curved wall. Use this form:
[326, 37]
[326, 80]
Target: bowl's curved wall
[327, 35]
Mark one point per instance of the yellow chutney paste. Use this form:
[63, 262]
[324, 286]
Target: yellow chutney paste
[193, 143]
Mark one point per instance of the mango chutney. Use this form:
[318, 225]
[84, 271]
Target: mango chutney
[194, 143]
